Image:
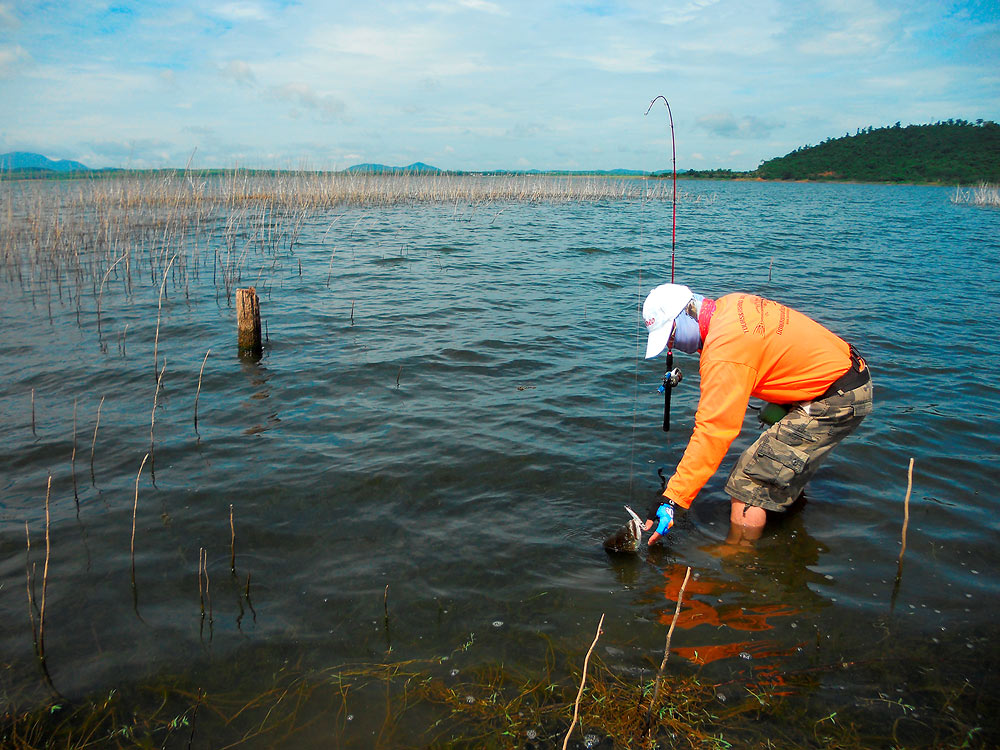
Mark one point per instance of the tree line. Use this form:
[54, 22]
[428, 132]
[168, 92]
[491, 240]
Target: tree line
[946, 152]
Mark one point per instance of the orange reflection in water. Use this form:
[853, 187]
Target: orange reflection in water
[763, 657]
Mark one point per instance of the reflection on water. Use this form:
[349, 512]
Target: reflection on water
[258, 376]
[705, 605]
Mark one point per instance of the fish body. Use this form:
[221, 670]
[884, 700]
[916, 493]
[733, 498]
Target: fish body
[628, 538]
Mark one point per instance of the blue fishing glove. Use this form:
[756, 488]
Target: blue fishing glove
[661, 512]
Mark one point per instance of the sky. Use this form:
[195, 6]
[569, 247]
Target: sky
[481, 84]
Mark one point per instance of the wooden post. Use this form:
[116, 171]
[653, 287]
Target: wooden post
[248, 320]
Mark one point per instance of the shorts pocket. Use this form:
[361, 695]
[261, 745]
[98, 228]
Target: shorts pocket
[796, 434]
[776, 464]
[863, 408]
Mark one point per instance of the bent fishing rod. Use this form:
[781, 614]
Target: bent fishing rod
[672, 376]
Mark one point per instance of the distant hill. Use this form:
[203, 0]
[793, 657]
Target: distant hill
[416, 167]
[954, 151]
[25, 160]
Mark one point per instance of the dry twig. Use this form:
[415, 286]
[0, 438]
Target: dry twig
[666, 651]
[906, 520]
[583, 681]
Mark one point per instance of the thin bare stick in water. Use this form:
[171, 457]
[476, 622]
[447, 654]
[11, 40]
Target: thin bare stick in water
[666, 651]
[246, 595]
[135, 507]
[33, 412]
[201, 581]
[232, 542]
[30, 584]
[198, 392]
[45, 577]
[208, 594]
[583, 681]
[159, 307]
[72, 460]
[906, 519]
[101, 293]
[152, 422]
[385, 620]
[93, 442]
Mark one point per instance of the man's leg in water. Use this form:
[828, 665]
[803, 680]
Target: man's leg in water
[750, 518]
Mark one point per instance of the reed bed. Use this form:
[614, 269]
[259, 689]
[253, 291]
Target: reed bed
[73, 239]
[983, 195]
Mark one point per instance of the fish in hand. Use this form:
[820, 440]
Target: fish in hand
[628, 538]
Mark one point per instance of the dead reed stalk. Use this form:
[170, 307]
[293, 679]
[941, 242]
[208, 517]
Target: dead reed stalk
[159, 308]
[135, 507]
[72, 459]
[906, 520]
[197, 393]
[45, 577]
[583, 681]
[33, 412]
[232, 542]
[152, 422]
[93, 443]
[666, 653]
[31, 588]
[101, 292]
[246, 595]
[201, 581]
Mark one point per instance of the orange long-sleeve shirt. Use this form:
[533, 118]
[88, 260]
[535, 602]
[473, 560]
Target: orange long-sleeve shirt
[753, 347]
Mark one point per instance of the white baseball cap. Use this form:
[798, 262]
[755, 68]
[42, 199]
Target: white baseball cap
[661, 307]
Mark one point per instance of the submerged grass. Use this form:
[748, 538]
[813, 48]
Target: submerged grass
[429, 703]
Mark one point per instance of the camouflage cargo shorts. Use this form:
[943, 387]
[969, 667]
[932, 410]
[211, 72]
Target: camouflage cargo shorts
[772, 472]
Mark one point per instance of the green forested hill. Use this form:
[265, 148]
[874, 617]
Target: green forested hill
[955, 151]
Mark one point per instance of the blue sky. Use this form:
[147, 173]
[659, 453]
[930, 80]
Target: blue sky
[481, 84]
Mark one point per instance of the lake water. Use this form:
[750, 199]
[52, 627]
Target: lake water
[451, 410]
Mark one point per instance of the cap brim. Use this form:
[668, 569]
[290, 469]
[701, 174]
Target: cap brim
[658, 340]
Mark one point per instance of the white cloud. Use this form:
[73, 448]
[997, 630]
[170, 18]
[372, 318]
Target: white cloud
[329, 107]
[242, 11]
[851, 30]
[484, 6]
[11, 58]
[384, 44]
[8, 19]
[386, 54]
[687, 13]
[619, 56]
[239, 71]
[727, 125]
[457, 6]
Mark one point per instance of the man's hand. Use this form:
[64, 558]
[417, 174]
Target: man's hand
[660, 513]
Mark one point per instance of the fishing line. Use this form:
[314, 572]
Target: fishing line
[672, 377]
[668, 382]
[673, 155]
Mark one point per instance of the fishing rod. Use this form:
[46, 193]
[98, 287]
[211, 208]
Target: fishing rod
[672, 377]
